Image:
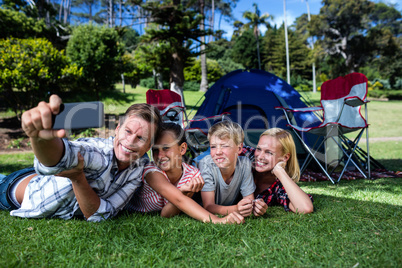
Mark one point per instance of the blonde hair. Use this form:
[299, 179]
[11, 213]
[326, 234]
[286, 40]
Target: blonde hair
[288, 147]
[227, 129]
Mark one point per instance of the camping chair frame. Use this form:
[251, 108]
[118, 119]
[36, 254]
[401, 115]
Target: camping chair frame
[330, 130]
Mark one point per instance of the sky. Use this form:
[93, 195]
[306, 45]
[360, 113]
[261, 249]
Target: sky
[294, 9]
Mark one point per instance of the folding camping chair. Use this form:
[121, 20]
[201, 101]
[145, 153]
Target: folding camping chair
[341, 101]
[170, 105]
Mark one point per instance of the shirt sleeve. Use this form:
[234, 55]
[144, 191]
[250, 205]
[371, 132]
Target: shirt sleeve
[93, 158]
[248, 185]
[207, 174]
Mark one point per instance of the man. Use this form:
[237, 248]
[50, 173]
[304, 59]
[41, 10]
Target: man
[112, 167]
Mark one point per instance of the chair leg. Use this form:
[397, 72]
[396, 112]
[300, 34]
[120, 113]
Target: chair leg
[367, 143]
[313, 156]
[350, 155]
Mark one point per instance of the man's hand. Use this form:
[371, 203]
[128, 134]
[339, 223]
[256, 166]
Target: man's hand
[77, 172]
[245, 207]
[193, 186]
[37, 122]
[259, 207]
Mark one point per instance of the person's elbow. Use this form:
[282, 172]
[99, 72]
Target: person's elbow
[307, 208]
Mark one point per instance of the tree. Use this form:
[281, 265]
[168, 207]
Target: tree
[30, 69]
[16, 24]
[244, 50]
[178, 26]
[97, 50]
[221, 50]
[274, 56]
[341, 31]
[255, 20]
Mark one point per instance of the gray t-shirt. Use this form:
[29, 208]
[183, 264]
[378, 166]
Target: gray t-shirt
[226, 194]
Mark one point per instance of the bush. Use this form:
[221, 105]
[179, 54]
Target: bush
[30, 69]
[191, 86]
[395, 95]
[150, 83]
[97, 50]
[193, 72]
[389, 94]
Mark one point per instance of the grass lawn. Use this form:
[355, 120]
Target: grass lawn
[355, 223]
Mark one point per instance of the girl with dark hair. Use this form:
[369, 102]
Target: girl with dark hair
[169, 182]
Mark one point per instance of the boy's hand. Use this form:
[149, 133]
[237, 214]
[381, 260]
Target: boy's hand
[193, 186]
[245, 207]
[37, 122]
[77, 172]
[233, 217]
[259, 207]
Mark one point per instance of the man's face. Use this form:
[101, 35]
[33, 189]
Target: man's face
[132, 140]
[224, 152]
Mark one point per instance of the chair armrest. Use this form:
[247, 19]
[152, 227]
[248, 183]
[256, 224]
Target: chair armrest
[214, 117]
[355, 101]
[303, 110]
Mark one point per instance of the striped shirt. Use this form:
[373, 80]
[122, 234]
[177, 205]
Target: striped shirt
[50, 196]
[147, 199]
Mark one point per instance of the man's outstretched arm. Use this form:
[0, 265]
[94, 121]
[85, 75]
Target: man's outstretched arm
[37, 124]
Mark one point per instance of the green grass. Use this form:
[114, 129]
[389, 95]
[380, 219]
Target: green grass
[355, 223]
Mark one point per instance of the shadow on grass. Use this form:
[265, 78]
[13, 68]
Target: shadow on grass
[390, 185]
[7, 169]
[391, 164]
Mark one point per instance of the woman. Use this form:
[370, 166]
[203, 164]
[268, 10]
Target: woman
[276, 171]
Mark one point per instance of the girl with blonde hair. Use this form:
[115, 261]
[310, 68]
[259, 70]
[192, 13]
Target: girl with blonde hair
[276, 171]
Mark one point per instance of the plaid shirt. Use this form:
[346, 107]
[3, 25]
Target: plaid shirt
[276, 193]
[51, 196]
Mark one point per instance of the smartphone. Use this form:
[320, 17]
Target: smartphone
[79, 115]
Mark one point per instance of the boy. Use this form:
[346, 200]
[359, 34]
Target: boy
[226, 174]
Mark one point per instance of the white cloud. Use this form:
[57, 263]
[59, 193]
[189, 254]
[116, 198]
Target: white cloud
[290, 18]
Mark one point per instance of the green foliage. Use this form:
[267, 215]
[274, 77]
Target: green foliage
[274, 55]
[221, 50]
[30, 69]
[193, 72]
[97, 51]
[228, 65]
[150, 83]
[18, 25]
[244, 50]
[191, 86]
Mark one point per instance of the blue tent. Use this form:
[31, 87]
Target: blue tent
[250, 98]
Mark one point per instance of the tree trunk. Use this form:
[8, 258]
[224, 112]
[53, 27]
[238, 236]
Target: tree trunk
[61, 9]
[204, 71]
[177, 75]
[124, 83]
[211, 39]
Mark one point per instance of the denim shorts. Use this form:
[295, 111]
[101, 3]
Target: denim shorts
[6, 182]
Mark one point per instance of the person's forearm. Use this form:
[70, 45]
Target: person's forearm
[192, 209]
[169, 210]
[48, 152]
[221, 210]
[300, 201]
[88, 200]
